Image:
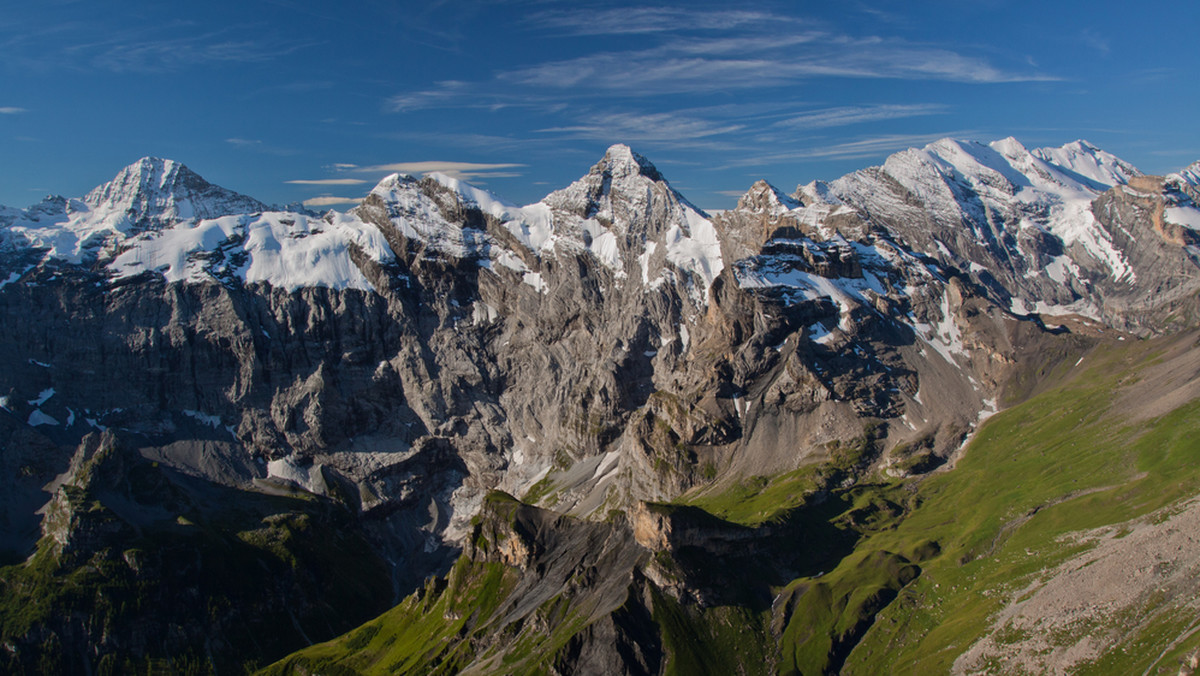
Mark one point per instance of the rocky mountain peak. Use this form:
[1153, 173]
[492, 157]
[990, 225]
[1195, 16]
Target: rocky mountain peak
[620, 161]
[1190, 175]
[155, 192]
[764, 197]
[143, 178]
[391, 183]
[610, 348]
[52, 206]
[622, 186]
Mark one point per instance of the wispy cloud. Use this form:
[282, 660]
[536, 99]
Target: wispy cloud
[161, 48]
[327, 181]
[258, 146]
[724, 127]
[846, 115]
[490, 142]
[635, 74]
[1092, 38]
[699, 67]
[880, 144]
[459, 170]
[868, 147]
[757, 50]
[639, 20]
[11, 110]
[880, 15]
[652, 127]
[299, 87]
[444, 93]
[1173, 152]
[168, 55]
[329, 201]
[481, 96]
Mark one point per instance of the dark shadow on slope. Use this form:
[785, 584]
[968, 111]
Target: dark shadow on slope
[144, 566]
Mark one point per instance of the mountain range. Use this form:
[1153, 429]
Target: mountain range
[606, 432]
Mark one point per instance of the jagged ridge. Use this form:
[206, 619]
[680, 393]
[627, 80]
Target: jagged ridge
[606, 346]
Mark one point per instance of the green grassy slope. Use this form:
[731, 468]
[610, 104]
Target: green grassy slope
[897, 575]
[1061, 462]
[417, 637]
[183, 589]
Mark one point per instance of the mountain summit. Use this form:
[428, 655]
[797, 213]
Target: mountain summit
[621, 161]
[1049, 230]
[614, 422]
[153, 193]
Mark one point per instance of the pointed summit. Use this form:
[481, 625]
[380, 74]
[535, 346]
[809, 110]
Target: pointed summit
[154, 192]
[764, 197]
[622, 186]
[620, 161]
[391, 183]
[1009, 147]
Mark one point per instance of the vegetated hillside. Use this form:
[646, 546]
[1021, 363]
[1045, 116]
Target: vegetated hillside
[1045, 530]
[1063, 540]
[706, 419]
[179, 575]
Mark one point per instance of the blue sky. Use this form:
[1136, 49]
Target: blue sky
[288, 100]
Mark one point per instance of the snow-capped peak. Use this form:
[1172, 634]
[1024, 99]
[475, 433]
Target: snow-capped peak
[158, 216]
[762, 196]
[153, 193]
[396, 188]
[149, 195]
[620, 160]
[390, 183]
[1088, 161]
[1190, 175]
[472, 196]
[1009, 147]
[995, 201]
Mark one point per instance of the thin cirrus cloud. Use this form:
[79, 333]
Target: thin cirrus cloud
[447, 93]
[161, 48]
[490, 142]
[1093, 39]
[695, 68]
[656, 127]
[847, 115]
[167, 55]
[11, 110]
[640, 20]
[459, 170]
[255, 145]
[457, 94]
[689, 65]
[871, 146]
[761, 33]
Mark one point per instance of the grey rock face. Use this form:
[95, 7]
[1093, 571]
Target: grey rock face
[1038, 230]
[611, 342]
[607, 346]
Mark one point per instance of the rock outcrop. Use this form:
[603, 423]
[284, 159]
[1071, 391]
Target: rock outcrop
[607, 347]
